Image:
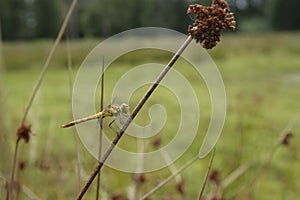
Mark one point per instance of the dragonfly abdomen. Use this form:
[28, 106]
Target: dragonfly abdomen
[78, 121]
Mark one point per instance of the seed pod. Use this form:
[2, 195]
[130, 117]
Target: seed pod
[209, 21]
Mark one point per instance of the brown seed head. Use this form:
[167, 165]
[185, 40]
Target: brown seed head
[24, 132]
[180, 187]
[45, 165]
[285, 140]
[22, 165]
[139, 178]
[209, 21]
[214, 176]
[216, 197]
[118, 196]
[156, 142]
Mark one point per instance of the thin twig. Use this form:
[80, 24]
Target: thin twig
[29, 193]
[134, 113]
[37, 86]
[49, 58]
[230, 179]
[100, 132]
[263, 166]
[207, 174]
[171, 167]
[25, 189]
[167, 180]
[268, 161]
[292, 123]
[289, 126]
[233, 176]
[11, 183]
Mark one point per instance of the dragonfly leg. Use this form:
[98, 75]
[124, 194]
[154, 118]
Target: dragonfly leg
[110, 123]
[110, 126]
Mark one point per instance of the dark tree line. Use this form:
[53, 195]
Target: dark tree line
[286, 15]
[28, 19]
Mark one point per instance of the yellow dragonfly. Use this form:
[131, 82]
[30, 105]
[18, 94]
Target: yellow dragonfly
[109, 111]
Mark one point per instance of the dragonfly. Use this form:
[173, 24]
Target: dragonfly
[109, 111]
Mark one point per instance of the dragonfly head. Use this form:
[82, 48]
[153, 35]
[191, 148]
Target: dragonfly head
[124, 108]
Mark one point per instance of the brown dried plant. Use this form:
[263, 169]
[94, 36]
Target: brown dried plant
[285, 139]
[209, 21]
[24, 133]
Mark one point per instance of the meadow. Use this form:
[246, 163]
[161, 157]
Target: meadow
[261, 74]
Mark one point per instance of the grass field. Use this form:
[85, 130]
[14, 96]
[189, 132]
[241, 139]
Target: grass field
[261, 74]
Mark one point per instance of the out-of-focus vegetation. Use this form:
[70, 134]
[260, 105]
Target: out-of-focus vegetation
[262, 83]
[260, 71]
[29, 19]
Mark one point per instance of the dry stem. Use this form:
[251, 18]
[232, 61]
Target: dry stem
[268, 160]
[134, 113]
[36, 88]
[207, 174]
[164, 182]
[10, 184]
[49, 58]
[100, 132]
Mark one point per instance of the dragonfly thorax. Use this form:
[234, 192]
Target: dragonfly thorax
[116, 110]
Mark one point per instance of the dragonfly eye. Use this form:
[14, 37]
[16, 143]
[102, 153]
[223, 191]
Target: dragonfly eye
[124, 108]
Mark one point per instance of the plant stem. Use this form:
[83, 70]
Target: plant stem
[269, 159]
[167, 180]
[26, 190]
[134, 113]
[11, 182]
[233, 176]
[100, 132]
[49, 58]
[172, 166]
[207, 174]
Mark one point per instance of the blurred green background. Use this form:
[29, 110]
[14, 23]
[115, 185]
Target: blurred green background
[259, 63]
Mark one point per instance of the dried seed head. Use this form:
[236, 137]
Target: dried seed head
[118, 196]
[285, 140]
[24, 132]
[180, 187]
[22, 165]
[45, 165]
[209, 21]
[139, 178]
[214, 176]
[216, 197]
[156, 142]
